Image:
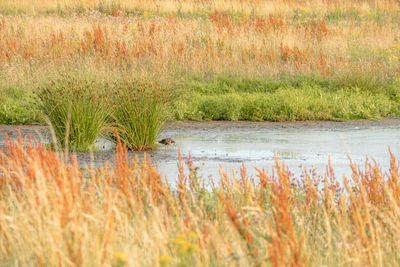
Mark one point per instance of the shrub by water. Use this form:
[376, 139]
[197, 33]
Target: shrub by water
[77, 109]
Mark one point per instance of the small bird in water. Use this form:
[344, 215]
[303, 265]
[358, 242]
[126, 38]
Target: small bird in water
[167, 141]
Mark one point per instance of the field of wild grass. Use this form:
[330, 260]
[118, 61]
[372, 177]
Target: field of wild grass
[122, 68]
[224, 60]
[56, 214]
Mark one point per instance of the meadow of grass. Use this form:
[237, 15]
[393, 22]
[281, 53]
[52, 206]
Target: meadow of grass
[81, 64]
[56, 214]
[285, 60]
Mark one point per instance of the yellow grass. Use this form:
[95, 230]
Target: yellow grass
[292, 37]
[52, 213]
[169, 6]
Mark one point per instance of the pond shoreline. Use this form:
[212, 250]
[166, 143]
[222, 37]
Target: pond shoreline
[12, 130]
[226, 125]
[228, 144]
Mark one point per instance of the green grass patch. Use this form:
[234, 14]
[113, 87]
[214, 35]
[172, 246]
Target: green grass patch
[365, 79]
[142, 105]
[139, 111]
[289, 104]
[77, 109]
[17, 106]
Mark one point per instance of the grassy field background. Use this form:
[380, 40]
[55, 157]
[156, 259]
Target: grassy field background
[93, 66]
[224, 60]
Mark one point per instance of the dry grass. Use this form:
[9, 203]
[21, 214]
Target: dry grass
[57, 214]
[289, 37]
[187, 6]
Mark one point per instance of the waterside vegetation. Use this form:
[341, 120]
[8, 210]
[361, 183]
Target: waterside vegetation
[220, 60]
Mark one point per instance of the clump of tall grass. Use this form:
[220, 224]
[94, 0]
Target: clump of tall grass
[140, 109]
[77, 109]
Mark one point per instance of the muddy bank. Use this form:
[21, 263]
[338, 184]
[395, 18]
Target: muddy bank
[12, 130]
[26, 130]
[226, 125]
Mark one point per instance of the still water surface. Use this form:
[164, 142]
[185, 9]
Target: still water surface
[299, 148]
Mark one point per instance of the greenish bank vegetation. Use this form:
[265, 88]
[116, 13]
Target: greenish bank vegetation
[80, 109]
[231, 98]
[291, 99]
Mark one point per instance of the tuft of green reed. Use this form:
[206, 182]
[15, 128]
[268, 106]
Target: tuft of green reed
[140, 109]
[77, 109]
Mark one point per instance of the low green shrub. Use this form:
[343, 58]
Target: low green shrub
[290, 104]
[78, 110]
[226, 107]
[17, 106]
